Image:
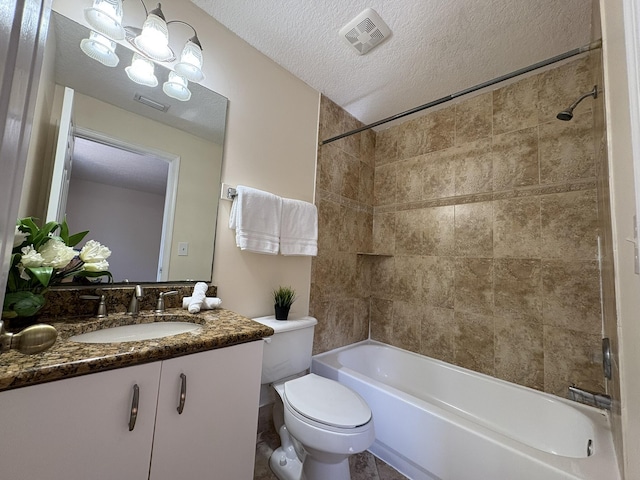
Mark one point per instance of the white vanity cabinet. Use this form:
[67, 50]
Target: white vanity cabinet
[78, 428]
[215, 436]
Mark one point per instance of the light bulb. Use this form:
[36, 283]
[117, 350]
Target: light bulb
[190, 65]
[176, 87]
[153, 41]
[141, 71]
[105, 17]
[100, 48]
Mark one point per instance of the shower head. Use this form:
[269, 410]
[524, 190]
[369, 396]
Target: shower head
[567, 114]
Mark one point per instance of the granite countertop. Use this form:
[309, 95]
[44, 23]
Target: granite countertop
[65, 359]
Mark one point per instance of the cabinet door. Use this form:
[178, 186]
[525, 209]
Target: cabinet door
[79, 428]
[215, 436]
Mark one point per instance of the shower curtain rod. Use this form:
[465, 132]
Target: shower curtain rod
[558, 58]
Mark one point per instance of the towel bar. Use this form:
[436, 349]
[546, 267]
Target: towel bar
[228, 192]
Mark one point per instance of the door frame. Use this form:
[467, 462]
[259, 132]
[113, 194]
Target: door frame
[23, 33]
[171, 193]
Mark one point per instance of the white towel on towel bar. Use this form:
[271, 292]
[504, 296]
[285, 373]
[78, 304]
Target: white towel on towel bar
[299, 230]
[256, 217]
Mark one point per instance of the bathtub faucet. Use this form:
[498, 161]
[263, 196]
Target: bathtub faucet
[594, 399]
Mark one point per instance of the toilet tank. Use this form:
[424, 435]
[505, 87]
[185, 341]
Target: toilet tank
[288, 351]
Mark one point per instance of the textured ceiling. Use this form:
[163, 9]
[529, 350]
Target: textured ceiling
[438, 47]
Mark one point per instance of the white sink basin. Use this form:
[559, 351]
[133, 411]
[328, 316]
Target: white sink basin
[137, 332]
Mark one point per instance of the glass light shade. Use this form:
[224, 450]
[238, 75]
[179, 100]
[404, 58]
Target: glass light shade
[141, 71]
[100, 48]
[190, 65]
[176, 87]
[105, 17]
[154, 39]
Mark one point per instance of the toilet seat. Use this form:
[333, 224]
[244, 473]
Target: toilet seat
[327, 402]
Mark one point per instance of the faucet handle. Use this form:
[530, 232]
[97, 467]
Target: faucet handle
[102, 308]
[160, 304]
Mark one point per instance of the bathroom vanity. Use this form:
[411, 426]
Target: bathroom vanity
[183, 406]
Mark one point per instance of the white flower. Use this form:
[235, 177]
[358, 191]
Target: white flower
[56, 254]
[23, 272]
[99, 266]
[19, 237]
[93, 252]
[31, 257]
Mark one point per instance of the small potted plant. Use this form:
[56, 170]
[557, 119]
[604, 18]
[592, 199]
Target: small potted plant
[283, 297]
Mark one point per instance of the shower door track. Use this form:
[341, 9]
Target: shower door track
[558, 58]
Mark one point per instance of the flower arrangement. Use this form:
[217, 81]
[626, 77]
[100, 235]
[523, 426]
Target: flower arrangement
[41, 258]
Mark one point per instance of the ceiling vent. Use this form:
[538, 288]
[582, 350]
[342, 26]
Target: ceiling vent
[365, 31]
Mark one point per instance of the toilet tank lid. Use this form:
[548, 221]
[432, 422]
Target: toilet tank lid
[280, 326]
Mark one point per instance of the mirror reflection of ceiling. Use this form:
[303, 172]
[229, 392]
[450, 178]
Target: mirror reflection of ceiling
[436, 47]
[100, 163]
[111, 85]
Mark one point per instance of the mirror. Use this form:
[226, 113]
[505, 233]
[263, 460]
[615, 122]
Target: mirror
[184, 139]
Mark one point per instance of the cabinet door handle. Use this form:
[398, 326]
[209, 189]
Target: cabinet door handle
[134, 407]
[183, 392]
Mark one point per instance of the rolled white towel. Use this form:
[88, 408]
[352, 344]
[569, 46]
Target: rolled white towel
[209, 303]
[197, 297]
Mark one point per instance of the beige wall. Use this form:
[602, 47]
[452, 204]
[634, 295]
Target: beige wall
[623, 193]
[270, 145]
[609, 314]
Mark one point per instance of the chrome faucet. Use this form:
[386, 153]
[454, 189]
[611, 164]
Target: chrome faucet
[134, 304]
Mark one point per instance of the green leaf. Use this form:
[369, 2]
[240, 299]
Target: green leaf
[43, 235]
[24, 304]
[76, 238]
[28, 225]
[42, 274]
[64, 232]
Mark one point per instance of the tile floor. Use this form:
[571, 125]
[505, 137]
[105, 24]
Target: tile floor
[364, 466]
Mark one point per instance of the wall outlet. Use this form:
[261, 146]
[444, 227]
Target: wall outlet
[183, 249]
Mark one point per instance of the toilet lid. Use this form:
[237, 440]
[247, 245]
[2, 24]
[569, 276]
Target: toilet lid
[326, 401]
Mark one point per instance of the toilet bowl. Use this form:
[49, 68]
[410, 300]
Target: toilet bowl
[320, 421]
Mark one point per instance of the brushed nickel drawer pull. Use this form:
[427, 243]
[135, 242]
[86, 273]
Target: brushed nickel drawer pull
[134, 407]
[183, 392]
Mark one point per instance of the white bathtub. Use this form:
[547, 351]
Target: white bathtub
[436, 421]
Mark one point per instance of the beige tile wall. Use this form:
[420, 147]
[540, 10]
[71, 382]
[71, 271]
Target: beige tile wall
[344, 195]
[487, 212]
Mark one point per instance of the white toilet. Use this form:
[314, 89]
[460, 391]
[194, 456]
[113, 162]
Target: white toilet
[320, 422]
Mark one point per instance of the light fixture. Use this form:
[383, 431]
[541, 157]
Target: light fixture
[190, 65]
[153, 41]
[176, 87]
[105, 17]
[151, 44]
[141, 71]
[100, 48]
